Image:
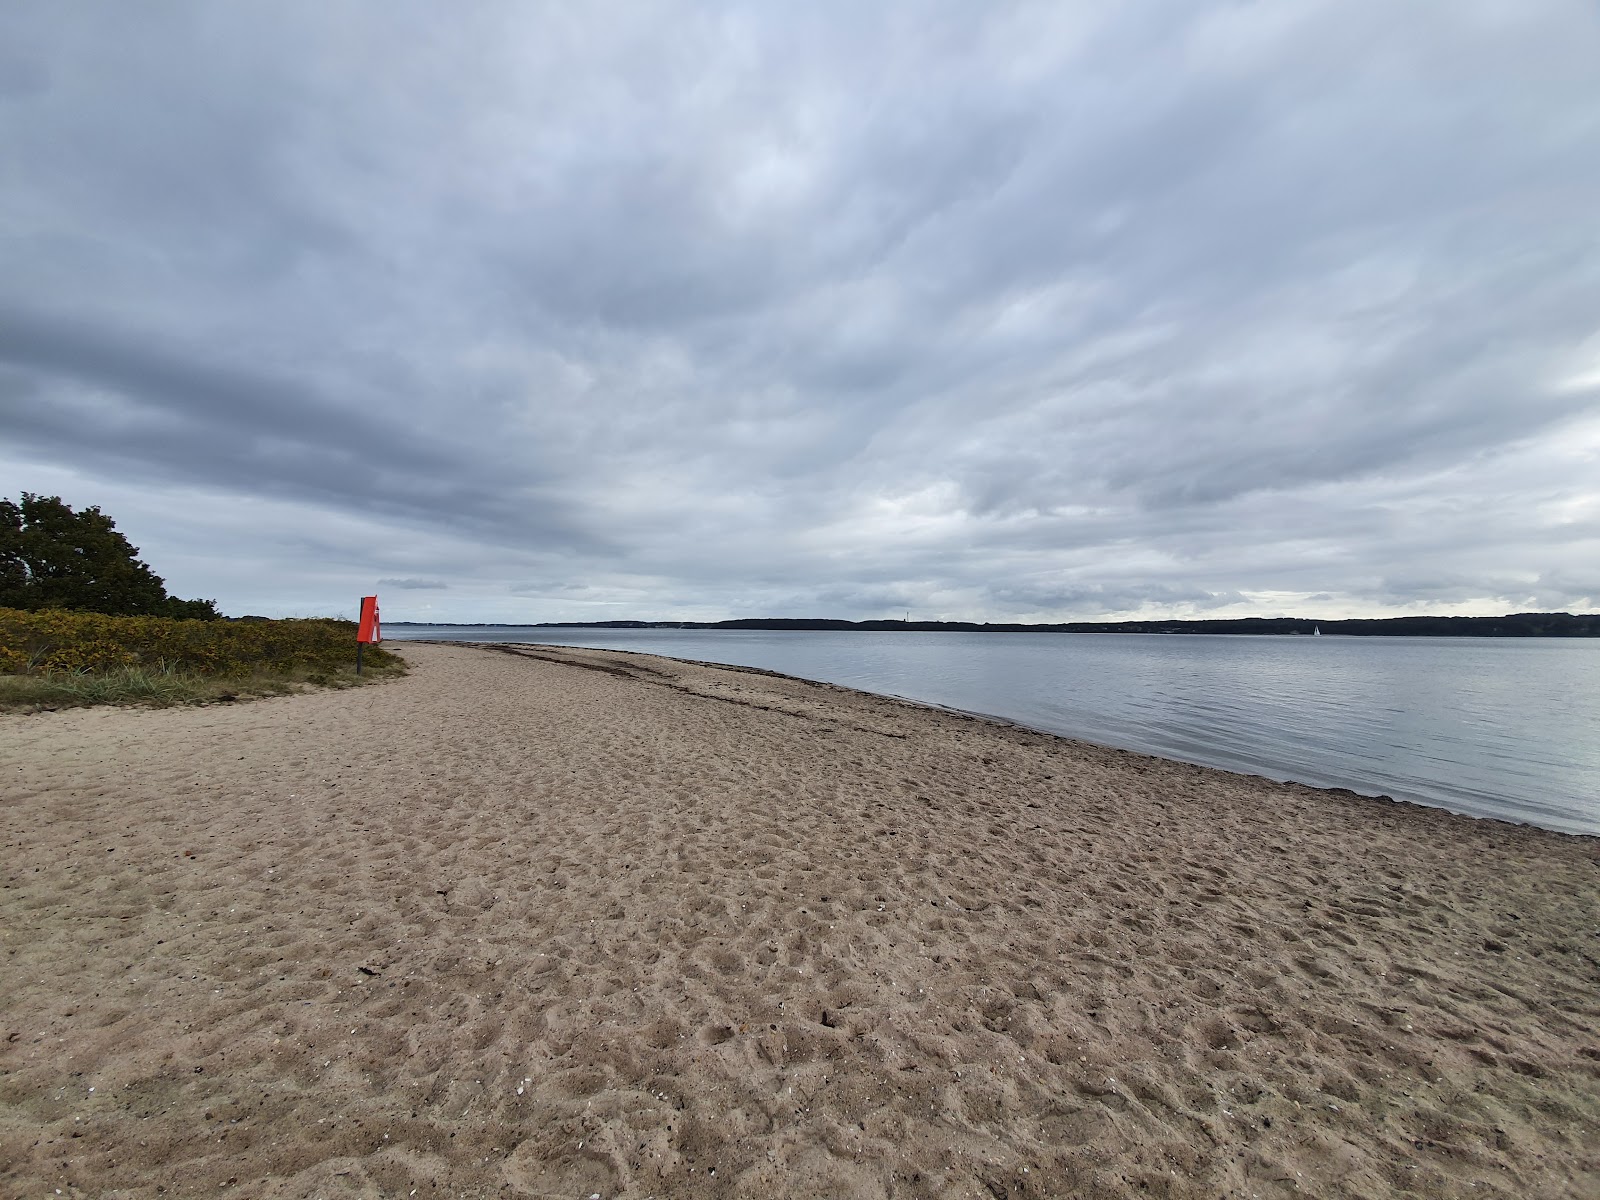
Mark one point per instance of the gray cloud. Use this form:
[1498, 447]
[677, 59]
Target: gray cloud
[1002, 311]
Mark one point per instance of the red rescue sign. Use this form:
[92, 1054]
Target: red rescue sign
[368, 630]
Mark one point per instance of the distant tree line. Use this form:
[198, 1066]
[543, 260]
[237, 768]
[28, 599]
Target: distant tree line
[1514, 625]
[53, 557]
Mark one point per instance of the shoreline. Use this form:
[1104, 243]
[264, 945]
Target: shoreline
[1008, 722]
[578, 922]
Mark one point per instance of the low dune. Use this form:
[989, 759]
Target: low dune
[536, 922]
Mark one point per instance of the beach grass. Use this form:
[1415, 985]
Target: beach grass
[165, 686]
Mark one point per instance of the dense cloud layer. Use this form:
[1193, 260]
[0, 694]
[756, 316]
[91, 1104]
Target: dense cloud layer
[984, 311]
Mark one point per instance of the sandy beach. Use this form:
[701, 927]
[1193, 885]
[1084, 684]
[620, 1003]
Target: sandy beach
[559, 923]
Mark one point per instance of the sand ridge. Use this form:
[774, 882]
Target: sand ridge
[553, 922]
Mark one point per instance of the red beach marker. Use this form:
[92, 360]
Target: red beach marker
[367, 630]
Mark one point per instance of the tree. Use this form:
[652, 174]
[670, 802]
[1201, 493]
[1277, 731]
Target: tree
[52, 557]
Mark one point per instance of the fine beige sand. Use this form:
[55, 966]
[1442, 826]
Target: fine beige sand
[570, 923]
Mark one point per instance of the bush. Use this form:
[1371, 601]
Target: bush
[58, 641]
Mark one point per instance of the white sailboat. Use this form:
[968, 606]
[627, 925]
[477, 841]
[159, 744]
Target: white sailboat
[1316, 631]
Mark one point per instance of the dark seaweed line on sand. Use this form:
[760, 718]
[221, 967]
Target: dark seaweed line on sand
[651, 675]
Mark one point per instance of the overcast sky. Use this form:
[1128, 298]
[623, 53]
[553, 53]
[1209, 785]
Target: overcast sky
[981, 310]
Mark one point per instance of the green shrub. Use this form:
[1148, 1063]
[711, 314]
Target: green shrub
[56, 641]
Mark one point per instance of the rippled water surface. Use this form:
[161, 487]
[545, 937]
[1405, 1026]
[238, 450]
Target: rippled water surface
[1499, 727]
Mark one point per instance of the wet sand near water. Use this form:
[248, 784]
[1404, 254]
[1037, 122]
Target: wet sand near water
[545, 922]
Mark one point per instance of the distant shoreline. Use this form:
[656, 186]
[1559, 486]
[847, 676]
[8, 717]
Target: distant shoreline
[1512, 625]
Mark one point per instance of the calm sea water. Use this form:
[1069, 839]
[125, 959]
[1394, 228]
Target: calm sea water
[1495, 727]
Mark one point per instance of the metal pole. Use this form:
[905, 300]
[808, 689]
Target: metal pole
[360, 646]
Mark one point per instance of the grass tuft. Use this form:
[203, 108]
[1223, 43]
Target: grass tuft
[166, 686]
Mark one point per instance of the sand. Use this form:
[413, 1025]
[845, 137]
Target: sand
[574, 923]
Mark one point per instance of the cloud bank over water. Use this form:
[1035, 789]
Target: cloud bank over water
[647, 310]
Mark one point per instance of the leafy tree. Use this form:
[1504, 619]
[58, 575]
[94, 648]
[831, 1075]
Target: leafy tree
[52, 557]
[191, 610]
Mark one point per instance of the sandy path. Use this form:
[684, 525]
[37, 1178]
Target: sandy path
[513, 927]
